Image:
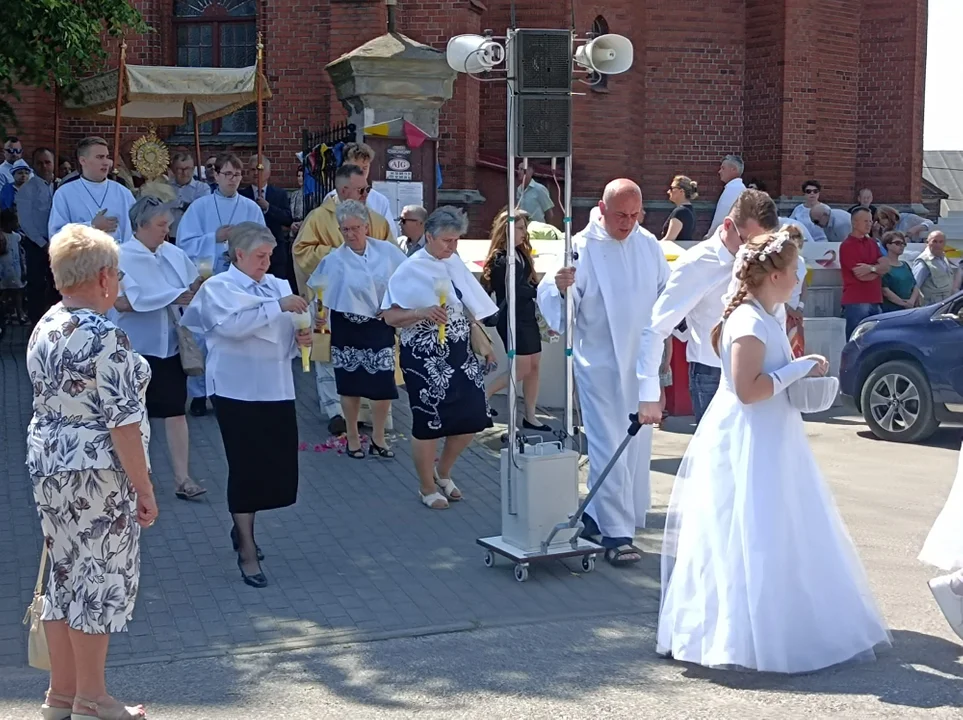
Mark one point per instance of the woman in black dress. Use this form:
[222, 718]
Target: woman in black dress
[681, 224]
[354, 278]
[245, 317]
[434, 299]
[528, 338]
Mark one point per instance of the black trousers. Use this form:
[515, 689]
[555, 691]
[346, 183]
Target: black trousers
[41, 294]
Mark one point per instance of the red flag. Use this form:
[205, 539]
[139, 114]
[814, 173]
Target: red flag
[414, 135]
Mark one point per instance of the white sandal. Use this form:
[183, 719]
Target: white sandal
[447, 488]
[430, 500]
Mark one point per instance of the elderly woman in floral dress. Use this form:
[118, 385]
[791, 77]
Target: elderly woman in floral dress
[87, 456]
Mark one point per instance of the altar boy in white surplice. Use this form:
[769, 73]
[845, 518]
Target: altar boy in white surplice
[91, 199]
[618, 273]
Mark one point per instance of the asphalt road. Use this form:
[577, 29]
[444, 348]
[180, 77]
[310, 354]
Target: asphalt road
[605, 667]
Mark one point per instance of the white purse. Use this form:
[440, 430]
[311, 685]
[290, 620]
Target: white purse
[813, 394]
[38, 655]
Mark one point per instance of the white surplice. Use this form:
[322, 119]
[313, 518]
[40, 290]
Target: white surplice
[197, 230]
[354, 283]
[152, 281]
[250, 340]
[616, 286]
[79, 201]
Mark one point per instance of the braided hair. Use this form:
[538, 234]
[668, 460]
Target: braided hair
[756, 260]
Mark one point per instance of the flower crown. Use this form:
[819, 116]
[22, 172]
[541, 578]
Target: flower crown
[747, 255]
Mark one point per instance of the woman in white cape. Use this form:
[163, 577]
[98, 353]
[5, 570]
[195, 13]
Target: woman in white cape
[944, 549]
[758, 571]
[244, 313]
[158, 280]
[444, 380]
[353, 279]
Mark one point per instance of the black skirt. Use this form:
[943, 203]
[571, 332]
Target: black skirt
[528, 338]
[167, 390]
[261, 444]
[363, 356]
[445, 383]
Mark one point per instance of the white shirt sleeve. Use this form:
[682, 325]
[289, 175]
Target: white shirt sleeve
[674, 303]
[730, 193]
[59, 213]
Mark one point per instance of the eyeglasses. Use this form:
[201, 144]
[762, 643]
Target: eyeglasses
[811, 191]
[232, 176]
[14, 151]
[365, 191]
[901, 243]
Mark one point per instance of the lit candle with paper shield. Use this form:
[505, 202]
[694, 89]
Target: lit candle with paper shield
[302, 321]
[205, 268]
[441, 290]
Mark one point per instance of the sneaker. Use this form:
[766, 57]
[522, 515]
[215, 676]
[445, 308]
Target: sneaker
[199, 407]
[337, 425]
[950, 603]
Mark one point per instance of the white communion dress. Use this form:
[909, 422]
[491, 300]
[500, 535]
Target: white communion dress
[944, 545]
[758, 570]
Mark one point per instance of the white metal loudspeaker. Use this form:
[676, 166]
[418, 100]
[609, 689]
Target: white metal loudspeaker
[606, 55]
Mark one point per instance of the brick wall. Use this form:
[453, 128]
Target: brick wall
[709, 78]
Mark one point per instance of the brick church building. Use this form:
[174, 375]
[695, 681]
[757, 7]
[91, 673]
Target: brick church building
[827, 89]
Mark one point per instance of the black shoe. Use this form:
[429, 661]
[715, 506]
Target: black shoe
[260, 555]
[256, 580]
[199, 407]
[337, 425]
[531, 426]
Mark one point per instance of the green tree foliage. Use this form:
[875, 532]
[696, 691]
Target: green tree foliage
[47, 41]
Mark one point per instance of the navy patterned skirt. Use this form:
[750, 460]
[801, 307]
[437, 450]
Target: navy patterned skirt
[363, 356]
[445, 383]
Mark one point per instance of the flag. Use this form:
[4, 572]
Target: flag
[381, 129]
[414, 135]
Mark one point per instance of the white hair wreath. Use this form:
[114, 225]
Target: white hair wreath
[747, 255]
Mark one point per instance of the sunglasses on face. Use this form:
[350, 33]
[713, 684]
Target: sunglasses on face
[811, 191]
[14, 151]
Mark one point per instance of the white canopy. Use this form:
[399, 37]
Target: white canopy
[163, 95]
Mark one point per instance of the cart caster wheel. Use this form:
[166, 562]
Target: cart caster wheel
[588, 563]
[489, 558]
[521, 573]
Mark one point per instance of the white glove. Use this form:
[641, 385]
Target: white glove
[788, 374]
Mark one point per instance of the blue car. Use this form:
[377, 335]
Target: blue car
[904, 370]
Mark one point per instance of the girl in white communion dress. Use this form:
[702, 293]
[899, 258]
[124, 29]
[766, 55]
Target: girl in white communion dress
[758, 571]
[944, 549]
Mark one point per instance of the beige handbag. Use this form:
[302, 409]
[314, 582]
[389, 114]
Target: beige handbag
[38, 656]
[192, 359]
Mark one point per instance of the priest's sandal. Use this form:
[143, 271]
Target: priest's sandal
[61, 711]
[90, 710]
[257, 580]
[623, 555]
[435, 500]
[447, 487]
[189, 490]
[236, 544]
[384, 452]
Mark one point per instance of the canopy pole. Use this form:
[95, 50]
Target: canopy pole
[260, 116]
[197, 143]
[56, 128]
[120, 101]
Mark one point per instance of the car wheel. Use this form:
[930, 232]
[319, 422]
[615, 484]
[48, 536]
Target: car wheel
[897, 403]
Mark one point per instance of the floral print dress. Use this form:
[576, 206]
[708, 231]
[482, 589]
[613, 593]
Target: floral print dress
[445, 383]
[86, 380]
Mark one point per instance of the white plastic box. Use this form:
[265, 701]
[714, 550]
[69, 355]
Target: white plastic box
[543, 492]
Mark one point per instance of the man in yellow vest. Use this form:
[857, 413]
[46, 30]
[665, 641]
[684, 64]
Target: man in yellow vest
[319, 235]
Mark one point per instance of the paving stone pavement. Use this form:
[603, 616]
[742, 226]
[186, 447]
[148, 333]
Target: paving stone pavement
[358, 557]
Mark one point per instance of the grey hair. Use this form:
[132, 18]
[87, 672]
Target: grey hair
[352, 208]
[447, 218]
[78, 253]
[417, 212]
[145, 210]
[736, 162]
[246, 236]
[265, 163]
[181, 156]
[821, 209]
